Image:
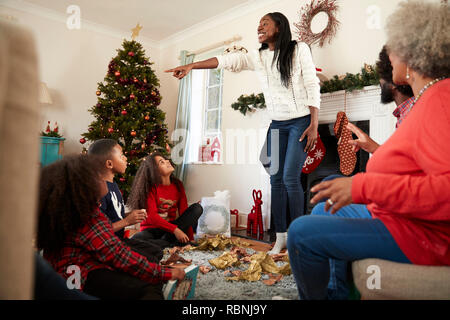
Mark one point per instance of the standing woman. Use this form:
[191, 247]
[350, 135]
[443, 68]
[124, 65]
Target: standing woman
[292, 93]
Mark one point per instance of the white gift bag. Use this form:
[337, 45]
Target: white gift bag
[216, 215]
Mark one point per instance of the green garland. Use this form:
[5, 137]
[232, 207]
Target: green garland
[249, 103]
[350, 82]
[367, 77]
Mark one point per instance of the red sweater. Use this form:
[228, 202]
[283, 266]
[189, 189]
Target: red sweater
[165, 204]
[407, 183]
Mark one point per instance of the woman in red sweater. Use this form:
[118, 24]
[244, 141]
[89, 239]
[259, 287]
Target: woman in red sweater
[168, 216]
[399, 210]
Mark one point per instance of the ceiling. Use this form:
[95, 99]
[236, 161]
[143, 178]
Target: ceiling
[160, 18]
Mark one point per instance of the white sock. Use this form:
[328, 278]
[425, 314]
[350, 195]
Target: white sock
[280, 243]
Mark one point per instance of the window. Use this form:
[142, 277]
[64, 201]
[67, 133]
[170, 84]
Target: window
[213, 105]
[206, 114]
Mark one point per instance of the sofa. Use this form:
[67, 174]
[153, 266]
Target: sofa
[400, 281]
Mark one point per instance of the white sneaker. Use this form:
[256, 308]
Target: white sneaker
[280, 243]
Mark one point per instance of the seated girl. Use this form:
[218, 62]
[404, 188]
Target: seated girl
[75, 235]
[162, 195]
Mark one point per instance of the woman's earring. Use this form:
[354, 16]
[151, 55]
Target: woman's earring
[407, 73]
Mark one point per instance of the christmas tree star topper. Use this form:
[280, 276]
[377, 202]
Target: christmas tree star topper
[136, 31]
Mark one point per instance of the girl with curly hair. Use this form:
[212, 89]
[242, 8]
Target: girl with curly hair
[73, 232]
[162, 195]
[399, 209]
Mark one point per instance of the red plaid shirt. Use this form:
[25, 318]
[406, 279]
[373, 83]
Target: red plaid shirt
[95, 246]
[402, 110]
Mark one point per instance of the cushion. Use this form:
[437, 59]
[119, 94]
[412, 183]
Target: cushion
[400, 280]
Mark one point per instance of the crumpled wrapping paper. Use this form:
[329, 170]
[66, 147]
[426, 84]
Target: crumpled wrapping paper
[253, 273]
[227, 259]
[259, 263]
[174, 259]
[219, 242]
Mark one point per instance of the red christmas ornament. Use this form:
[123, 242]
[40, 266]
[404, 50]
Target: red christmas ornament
[135, 80]
[132, 96]
[117, 73]
[133, 133]
[314, 157]
[124, 112]
[147, 117]
[82, 140]
[122, 179]
[131, 54]
[110, 130]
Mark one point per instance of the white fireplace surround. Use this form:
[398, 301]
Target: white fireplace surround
[360, 105]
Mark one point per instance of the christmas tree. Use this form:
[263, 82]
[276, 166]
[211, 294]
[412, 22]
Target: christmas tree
[127, 110]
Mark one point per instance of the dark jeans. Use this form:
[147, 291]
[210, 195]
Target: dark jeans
[188, 219]
[115, 285]
[322, 245]
[151, 249]
[287, 156]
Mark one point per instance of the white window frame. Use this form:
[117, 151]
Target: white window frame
[199, 135]
[206, 109]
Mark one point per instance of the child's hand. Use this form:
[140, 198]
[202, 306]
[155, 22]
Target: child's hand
[136, 216]
[177, 274]
[181, 236]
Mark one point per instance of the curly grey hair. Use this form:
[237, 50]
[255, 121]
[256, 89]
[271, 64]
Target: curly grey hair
[419, 34]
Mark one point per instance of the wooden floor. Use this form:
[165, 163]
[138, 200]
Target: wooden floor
[258, 243]
[255, 245]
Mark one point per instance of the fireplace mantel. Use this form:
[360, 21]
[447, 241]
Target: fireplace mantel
[362, 104]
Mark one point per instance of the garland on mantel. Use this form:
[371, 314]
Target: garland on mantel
[349, 82]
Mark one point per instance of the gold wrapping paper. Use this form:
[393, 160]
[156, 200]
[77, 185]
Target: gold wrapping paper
[259, 263]
[227, 259]
[253, 273]
[219, 242]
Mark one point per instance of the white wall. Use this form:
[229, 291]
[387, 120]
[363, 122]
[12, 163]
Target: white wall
[71, 63]
[354, 45]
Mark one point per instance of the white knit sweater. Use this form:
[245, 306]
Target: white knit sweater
[282, 103]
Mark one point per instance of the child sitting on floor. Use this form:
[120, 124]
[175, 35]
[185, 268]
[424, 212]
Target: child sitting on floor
[73, 232]
[110, 154]
[163, 196]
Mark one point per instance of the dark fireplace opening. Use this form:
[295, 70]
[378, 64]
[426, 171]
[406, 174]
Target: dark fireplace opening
[330, 163]
[328, 166]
